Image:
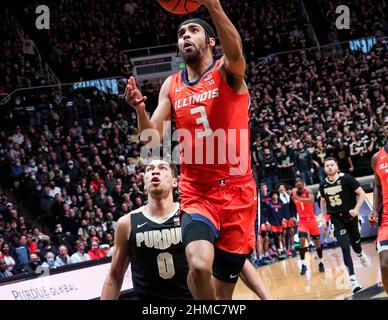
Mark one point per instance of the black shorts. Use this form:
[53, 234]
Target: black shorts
[345, 224]
[226, 265]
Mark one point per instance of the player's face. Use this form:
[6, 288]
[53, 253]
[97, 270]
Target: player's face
[282, 189]
[331, 167]
[275, 197]
[299, 185]
[192, 42]
[158, 178]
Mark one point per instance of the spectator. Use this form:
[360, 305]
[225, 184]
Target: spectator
[83, 231]
[20, 252]
[50, 261]
[342, 154]
[286, 166]
[95, 252]
[79, 255]
[63, 258]
[270, 169]
[31, 245]
[7, 256]
[359, 155]
[4, 272]
[35, 261]
[319, 157]
[47, 246]
[304, 164]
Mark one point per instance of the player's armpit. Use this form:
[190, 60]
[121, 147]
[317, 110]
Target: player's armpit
[233, 74]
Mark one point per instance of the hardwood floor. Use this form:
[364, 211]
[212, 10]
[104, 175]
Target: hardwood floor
[284, 281]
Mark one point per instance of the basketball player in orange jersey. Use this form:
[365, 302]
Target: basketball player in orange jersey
[380, 200]
[304, 202]
[209, 99]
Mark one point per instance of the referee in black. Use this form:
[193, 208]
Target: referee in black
[339, 193]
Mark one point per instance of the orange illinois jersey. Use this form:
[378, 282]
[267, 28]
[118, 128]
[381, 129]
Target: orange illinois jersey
[305, 209]
[381, 169]
[212, 125]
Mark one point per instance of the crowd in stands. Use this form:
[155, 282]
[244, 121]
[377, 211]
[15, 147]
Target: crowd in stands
[24, 247]
[76, 181]
[74, 159]
[19, 65]
[306, 106]
[366, 18]
[87, 37]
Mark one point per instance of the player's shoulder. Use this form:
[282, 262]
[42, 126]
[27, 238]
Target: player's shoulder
[307, 190]
[136, 211]
[345, 176]
[126, 219]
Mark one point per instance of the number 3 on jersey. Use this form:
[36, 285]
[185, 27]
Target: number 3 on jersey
[202, 120]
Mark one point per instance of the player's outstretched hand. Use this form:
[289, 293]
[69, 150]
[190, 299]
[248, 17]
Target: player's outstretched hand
[373, 219]
[133, 95]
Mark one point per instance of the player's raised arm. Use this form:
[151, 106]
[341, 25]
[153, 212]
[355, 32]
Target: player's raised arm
[120, 260]
[230, 39]
[377, 195]
[162, 113]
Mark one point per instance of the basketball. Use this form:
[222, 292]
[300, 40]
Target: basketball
[179, 6]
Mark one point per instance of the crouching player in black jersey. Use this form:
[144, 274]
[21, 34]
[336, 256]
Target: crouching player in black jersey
[339, 193]
[150, 239]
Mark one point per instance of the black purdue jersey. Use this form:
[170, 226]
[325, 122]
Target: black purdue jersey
[339, 194]
[158, 261]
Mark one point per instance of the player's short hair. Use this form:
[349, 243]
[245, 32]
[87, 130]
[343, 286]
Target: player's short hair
[299, 179]
[331, 159]
[209, 31]
[173, 167]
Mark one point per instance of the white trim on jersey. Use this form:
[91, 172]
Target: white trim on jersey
[153, 219]
[381, 248]
[339, 176]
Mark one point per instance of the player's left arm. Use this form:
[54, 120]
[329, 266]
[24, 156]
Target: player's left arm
[233, 61]
[361, 198]
[355, 185]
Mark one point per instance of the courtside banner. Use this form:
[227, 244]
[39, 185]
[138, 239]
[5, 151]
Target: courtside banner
[81, 284]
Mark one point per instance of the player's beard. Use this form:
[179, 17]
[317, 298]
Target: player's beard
[192, 56]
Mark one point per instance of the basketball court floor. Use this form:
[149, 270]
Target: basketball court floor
[284, 281]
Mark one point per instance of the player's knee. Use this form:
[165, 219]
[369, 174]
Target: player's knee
[200, 267]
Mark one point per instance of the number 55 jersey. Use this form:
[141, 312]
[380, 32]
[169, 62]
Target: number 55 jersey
[340, 195]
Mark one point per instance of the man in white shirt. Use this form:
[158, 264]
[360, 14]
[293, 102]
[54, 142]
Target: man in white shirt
[80, 255]
[18, 136]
